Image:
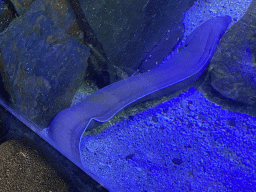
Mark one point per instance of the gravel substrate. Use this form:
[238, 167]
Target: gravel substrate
[204, 10]
[185, 144]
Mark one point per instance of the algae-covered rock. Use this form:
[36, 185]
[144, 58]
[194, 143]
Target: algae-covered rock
[234, 67]
[41, 65]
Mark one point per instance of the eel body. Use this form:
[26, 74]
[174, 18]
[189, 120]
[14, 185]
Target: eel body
[68, 126]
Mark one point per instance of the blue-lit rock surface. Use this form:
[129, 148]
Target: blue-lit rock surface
[234, 67]
[41, 65]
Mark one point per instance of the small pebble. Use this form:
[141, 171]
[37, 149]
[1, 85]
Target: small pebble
[191, 107]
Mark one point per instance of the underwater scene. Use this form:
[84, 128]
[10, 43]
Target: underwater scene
[140, 96]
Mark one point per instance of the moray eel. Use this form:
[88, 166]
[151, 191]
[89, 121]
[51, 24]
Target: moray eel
[68, 126]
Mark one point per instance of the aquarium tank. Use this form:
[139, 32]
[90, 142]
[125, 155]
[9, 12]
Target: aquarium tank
[150, 95]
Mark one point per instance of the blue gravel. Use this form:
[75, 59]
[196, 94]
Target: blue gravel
[185, 144]
[203, 10]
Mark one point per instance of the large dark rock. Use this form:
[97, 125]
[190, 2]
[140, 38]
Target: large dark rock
[41, 65]
[234, 69]
[129, 30]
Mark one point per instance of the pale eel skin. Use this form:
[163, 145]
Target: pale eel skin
[68, 126]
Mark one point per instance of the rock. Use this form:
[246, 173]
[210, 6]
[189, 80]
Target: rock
[21, 6]
[129, 30]
[7, 14]
[234, 69]
[41, 65]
